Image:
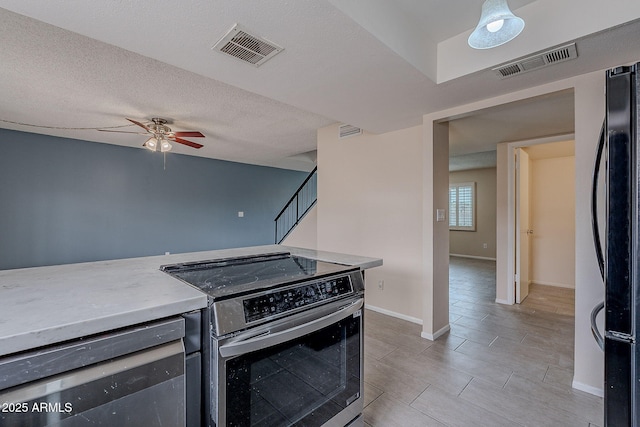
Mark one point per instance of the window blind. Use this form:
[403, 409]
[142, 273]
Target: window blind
[462, 206]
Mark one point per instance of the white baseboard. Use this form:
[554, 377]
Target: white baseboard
[588, 388]
[438, 333]
[503, 301]
[431, 337]
[472, 257]
[557, 285]
[393, 314]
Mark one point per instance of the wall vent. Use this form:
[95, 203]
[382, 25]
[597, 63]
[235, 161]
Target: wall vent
[348, 130]
[534, 62]
[246, 47]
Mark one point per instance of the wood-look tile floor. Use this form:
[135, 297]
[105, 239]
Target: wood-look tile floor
[499, 366]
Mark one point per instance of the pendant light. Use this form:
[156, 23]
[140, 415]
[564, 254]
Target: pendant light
[497, 25]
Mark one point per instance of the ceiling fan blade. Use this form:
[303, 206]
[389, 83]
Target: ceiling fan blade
[189, 134]
[122, 131]
[142, 125]
[185, 142]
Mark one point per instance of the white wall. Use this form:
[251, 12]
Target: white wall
[503, 202]
[552, 219]
[370, 204]
[589, 113]
[435, 234]
[471, 243]
[378, 196]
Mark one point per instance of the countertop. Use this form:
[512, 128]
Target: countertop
[46, 305]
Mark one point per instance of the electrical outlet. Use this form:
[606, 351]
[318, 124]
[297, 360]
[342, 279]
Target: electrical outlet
[484, 245]
[240, 214]
[381, 285]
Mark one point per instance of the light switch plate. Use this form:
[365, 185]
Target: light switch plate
[440, 215]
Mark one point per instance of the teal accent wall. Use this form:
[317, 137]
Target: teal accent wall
[66, 201]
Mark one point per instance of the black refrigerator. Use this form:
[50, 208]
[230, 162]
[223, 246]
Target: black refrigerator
[619, 265]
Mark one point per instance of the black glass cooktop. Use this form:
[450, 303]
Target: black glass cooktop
[229, 277]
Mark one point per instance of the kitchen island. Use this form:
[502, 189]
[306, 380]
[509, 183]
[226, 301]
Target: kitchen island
[123, 343]
[41, 306]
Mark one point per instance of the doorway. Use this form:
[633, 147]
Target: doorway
[474, 140]
[522, 256]
[544, 219]
[587, 112]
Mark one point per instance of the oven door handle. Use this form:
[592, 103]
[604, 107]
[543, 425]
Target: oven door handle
[252, 344]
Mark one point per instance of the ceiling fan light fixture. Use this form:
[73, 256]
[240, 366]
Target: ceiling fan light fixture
[165, 146]
[497, 26]
[151, 144]
[162, 135]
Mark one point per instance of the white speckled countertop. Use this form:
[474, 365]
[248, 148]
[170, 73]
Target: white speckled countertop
[46, 305]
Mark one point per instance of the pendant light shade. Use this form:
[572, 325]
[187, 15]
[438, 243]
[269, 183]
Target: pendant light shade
[497, 25]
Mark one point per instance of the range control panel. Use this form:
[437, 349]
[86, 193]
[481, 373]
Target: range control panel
[281, 301]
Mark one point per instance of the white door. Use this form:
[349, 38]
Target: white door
[523, 231]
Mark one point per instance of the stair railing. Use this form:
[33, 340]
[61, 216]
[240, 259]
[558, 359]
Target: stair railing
[297, 207]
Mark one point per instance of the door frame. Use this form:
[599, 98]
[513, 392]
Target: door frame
[521, 280]
[511, 203]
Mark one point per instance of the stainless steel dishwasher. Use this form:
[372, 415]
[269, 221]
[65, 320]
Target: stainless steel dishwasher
[131, 377]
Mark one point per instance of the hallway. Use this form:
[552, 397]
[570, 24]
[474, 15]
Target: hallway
[499, 366]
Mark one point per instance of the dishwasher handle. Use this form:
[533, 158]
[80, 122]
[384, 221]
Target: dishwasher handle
[157, 374]
[252, 344]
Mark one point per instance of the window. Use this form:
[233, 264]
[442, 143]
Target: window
[462, 201]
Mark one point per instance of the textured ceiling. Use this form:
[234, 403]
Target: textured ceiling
[53, 77]
[472, 139]
[91, 64]
[537, 117]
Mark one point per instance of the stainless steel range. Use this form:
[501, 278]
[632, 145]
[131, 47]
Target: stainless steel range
[284, 346]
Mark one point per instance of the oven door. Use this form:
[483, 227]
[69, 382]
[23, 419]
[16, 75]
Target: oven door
[307, 374]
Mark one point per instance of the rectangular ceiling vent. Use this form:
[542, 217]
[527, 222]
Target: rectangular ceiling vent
[246, 47]
[534, 62]
[348, 130]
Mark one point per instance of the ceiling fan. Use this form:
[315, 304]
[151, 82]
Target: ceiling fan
[161, 134]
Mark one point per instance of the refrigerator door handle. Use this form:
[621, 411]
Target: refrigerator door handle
[595, 226]
[594, 327]
[622, 337]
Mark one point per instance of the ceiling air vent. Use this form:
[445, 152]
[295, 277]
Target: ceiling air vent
[243, 45]
[544, 59]
[348, 130]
